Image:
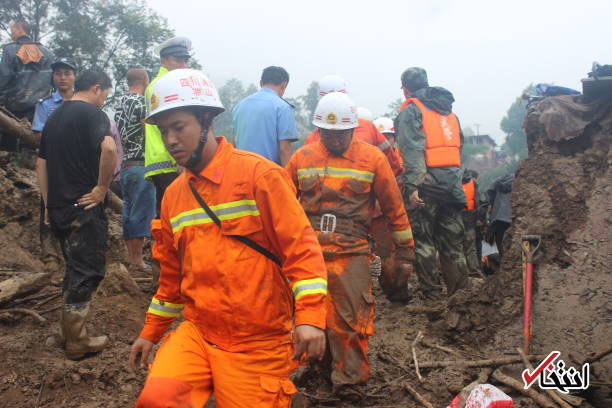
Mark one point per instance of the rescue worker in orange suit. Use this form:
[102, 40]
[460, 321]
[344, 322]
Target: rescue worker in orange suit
[470, 217]
[238, 258]
[429, 138]
[339, 178]
[394, 283]
[365, 131]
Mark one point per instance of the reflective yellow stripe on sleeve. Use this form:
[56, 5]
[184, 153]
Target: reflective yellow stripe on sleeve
[403, 235]
[309, 287]
[336, 172]
[225, 211]
[165, 309]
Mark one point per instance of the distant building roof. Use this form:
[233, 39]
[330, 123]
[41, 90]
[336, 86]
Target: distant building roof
[480, 139]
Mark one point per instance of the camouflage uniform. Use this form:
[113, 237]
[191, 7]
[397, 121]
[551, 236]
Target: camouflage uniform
[469, 241]
[438, 226]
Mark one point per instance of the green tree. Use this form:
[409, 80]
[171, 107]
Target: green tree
[111, 34]
[516, 141]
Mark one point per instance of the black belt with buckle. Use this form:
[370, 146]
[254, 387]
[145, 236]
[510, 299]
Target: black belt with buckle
[328, 223]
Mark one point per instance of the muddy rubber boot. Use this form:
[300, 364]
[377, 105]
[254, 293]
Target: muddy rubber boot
[78, 343]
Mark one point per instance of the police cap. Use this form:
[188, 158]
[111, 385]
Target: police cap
[414, 78]
[175, 47]
[64, 62]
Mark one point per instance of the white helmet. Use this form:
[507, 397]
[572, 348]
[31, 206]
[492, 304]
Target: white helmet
[331, 83]
[335, 111]
[180, 88]
[365, 113]
[384, 125]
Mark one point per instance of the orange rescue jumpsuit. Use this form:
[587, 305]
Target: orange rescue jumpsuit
[367, 132]
[345, 188]
[239, 306]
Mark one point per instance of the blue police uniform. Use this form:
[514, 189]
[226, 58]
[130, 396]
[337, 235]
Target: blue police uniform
[44, 109]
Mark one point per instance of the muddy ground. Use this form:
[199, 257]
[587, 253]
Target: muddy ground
[563, 190]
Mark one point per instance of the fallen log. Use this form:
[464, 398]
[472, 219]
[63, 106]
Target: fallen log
[21, 129]
[538, 398]
[550, 393]
[417, 396]
[24, 311]
[21, 285]
[479, 363]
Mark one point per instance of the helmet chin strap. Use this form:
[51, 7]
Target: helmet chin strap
[196, 156]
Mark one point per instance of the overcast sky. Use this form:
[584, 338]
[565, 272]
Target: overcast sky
[484, 51]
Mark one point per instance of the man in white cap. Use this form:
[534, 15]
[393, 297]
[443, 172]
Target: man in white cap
[365, 130]
[338, 179]
[238, 259]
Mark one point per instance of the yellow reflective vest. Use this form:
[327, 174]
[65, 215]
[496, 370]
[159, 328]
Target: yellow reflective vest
[157, 158]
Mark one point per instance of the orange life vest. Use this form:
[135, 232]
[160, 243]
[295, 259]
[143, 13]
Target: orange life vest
[470, 190]
[443, 137]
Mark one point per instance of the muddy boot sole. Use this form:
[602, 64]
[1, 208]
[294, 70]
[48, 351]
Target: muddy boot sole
[78, 353]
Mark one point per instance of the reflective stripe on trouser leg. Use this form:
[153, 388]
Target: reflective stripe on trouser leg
[350, 316]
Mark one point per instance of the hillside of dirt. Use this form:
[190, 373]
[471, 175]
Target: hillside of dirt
[562, 192]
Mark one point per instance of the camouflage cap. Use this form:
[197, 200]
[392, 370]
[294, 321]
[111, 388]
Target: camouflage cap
[414, 78]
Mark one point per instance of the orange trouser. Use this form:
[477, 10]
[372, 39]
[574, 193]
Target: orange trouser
[350, 317]
[187, 370]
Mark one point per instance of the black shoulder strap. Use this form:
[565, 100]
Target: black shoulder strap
[240, 238]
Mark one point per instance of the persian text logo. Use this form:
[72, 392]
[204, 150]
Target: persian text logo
[553, 375]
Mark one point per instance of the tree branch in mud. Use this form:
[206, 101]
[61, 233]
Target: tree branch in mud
[539, 399]
[416, 341]
[424, 309]
[431, 344]
[24, 311]
[598, 356]
[479, 363]
[417, 396]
